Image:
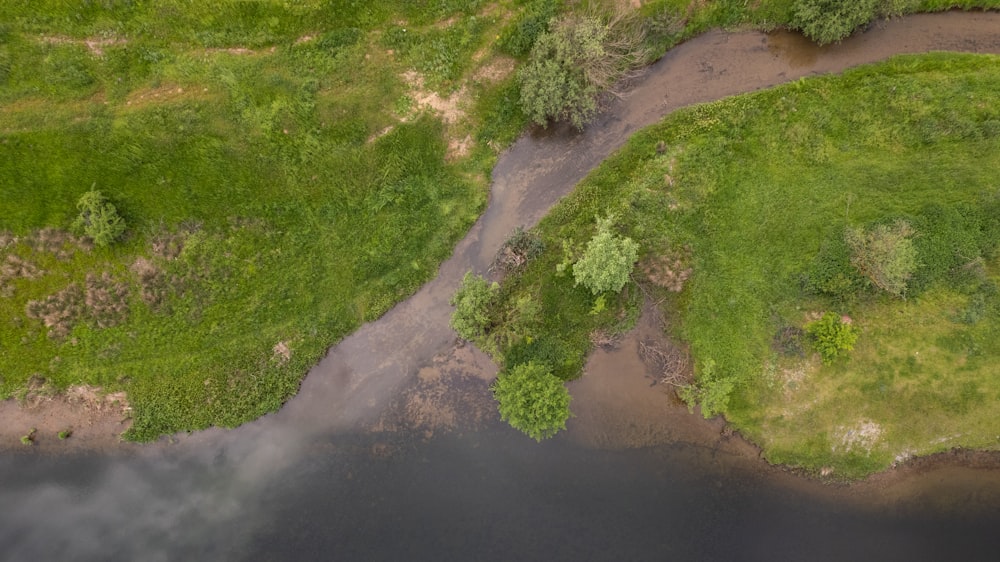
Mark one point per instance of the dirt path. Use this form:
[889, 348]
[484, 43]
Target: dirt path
[398, 359]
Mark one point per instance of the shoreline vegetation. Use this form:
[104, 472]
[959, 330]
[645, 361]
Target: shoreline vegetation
[246, 147]
[748, 212]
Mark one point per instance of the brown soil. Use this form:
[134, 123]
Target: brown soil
[94, 420]
[621, 400]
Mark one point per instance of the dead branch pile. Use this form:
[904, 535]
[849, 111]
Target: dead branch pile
[672, 364]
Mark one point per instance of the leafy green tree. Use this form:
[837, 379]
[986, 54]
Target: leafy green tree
[885, 254]
[533, 400]
[98, 219]
[473, 302]
[832, 337]
[607, 261]
[578, 59]
[827, 21]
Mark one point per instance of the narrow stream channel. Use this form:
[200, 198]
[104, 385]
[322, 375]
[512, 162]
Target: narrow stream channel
[351, 470]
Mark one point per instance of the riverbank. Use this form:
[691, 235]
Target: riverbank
[350, 382]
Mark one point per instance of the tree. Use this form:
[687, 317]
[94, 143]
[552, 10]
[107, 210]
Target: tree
[473, 301]
[607, 261]
[533, 400]
[98, 219]
[569, 66]
[826, 21]
[885, 254]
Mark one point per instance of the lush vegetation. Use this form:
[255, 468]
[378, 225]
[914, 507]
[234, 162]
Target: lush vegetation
[473, 302]
[578, 59]
[762, 221]
[280, 174]
[532, 400]
[99, 219]
[826, 21]
[607, 262]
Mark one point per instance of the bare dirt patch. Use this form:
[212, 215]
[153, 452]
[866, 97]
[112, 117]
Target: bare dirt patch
[82, 417]
[450, 109]
[862, 436]
[498, 69]
[94, 45]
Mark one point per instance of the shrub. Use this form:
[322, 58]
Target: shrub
[518, 250]
[518, 38]
[98, 219]
[831, 336]
[831, 272]
[531, 399]
[827, 21]
[473, 302]
[885, 254]
[607, 261]
[569, 66]
[712, 391]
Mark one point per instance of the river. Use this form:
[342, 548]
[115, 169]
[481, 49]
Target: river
[391, 450]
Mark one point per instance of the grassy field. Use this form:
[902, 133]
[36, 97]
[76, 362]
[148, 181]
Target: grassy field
[753, 195]
[286, 171]
[285, 174]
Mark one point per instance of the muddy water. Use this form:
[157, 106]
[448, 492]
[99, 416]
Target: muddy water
[391, 449]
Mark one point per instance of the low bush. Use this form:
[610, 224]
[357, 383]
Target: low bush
[607, 261]
[885, 254]
[98, 219]
[827, 21]
[831, 336]
[518, 250]
[473, 301]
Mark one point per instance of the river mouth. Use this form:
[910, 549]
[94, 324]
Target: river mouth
[392, 448]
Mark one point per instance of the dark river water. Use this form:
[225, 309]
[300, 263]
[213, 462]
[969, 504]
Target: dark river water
[489, 495]
[328, 478]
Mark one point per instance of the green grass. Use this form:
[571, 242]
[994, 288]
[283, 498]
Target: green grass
[256, 141]
[754, 187]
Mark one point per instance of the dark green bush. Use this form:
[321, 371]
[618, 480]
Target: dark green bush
[831, 272]
[519, 36]
[827, 21]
